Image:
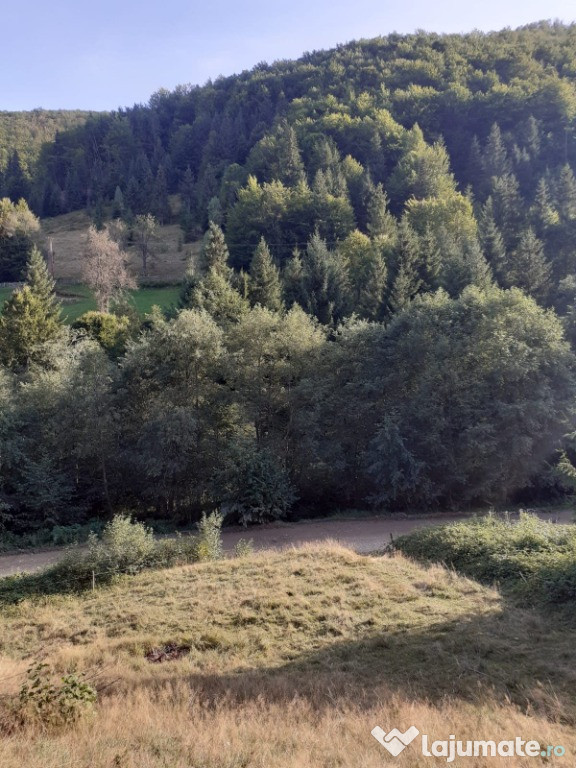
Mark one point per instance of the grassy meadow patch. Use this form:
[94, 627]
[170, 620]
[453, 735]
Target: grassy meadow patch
[78, 299]
[293, 658]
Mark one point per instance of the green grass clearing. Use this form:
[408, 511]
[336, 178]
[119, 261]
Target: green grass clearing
[78, 299]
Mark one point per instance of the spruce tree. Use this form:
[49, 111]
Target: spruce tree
[545, 215]
[530, 270]
[26, 325]
[381, 223]
[42, 285]
[189, 285]
[431, 260]
[476, 267]
[493, 244]
[265, 286]
[508, 206]
[495, 159]
[160, 204]
[475, 167]
[187, 190]
[324, 282]
[214, 254]
[406, 282]
[366, 274]
[215, 294]
[118, 204]
[566, 193]
[292, 280]
[215, 212]
[289, 158]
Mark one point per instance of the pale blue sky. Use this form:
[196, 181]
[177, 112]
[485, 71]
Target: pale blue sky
[111, 53]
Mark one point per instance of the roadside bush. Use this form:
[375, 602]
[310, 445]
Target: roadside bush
[123, 547]
[244, 548]
[57, 536]
[260, 489]
[178, 551]
[535, 560]
[209, 540]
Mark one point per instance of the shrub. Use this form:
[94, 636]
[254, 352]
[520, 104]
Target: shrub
[123, 547]
[110, 331]
[209, 540]
[49, 703]
[244, 548]
[260, 489]
[531, 558]
[178, 551]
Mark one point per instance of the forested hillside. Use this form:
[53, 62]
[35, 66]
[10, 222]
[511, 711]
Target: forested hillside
[379, 312]
[468, 138]
[22, 136]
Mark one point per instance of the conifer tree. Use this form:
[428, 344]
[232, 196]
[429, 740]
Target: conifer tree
[495, 160]
[530, 270]
[215, 294]
[406, 282]
[381, 223]
[430, 260]
[475, 168]
[289, 157]
[544, 213]
[493, 244]
[187, 190]
[292, 280]
[215, 213]
[25, 326]
[566, 193]
[214, 254]
[265, 286]
[508, 206]
[118, 203]
[160, 204]
[366, 274]
[324, 282]
[189, 285]
[42, 285]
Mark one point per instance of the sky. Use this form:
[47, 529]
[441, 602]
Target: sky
[65, 54]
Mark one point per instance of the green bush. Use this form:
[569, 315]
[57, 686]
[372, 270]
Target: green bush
[124, 547]
[47, 702]
[178, 551]
[260, 489]
[209, 540]
[535, 560]
[111, 331]
[244, 548]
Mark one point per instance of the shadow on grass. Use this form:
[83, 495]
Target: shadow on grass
[50, 581]
[510, 656]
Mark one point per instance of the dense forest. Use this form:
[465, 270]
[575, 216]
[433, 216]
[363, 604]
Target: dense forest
[22, 136]
[384, 309]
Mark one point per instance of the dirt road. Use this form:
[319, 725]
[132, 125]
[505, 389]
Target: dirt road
[363, 535]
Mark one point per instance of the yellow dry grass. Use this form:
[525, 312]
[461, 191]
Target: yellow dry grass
[68, 236]
[295, 657]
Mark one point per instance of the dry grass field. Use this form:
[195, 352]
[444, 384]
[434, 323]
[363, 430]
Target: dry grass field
[68, 236]
[294, 657]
